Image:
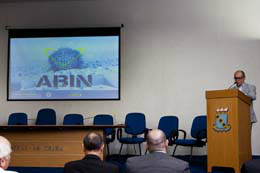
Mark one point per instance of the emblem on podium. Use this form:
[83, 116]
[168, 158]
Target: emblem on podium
[221, 123]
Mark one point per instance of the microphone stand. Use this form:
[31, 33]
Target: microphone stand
[231, 85]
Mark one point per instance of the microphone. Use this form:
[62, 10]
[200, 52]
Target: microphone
[232, 85]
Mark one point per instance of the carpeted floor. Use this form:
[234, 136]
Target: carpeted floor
[197, 165]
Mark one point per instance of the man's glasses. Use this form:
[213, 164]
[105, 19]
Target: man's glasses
[237, 78]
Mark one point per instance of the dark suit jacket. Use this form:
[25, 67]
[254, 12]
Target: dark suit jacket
[156, 162]
[90, 164]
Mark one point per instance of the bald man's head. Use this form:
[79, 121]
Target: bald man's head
[156, 140]
[93, 141]
[5, 152]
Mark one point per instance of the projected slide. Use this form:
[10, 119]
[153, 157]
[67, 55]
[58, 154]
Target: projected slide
[64, 68]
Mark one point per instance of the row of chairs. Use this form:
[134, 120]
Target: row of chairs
[135, 127]
[47, 116]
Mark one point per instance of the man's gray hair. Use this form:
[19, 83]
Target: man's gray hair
[5, 151]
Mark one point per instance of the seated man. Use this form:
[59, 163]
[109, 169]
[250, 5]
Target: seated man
[157, 161]
[91, 163]
[5, 155]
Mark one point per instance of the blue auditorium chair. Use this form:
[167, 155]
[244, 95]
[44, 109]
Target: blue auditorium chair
[170, 126]
[106, 119]
[198, 132]
[18, 118]
[46, 116]
[73, 119]
[134, 125]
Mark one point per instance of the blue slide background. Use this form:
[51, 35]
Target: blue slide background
[33, 58]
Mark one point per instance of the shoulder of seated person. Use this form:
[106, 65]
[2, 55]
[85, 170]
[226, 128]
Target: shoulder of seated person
[135, 158]
[74, 162]
[144, 157]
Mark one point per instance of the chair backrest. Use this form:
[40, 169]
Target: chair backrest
[18, 118]
[168, 124]
[46, 116]
[199, 127]
[73, 119]
[135, 123]
[104, 119]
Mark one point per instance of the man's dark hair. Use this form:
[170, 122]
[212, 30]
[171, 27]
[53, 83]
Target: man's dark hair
[93, 141]
[242, 72]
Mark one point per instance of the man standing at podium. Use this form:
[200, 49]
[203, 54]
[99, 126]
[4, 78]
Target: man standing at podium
[247, 89]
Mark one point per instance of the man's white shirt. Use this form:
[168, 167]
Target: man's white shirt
[240, 89]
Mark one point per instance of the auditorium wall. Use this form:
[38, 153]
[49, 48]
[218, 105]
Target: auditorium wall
[171, 52]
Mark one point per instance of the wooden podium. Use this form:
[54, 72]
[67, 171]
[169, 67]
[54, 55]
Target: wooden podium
[228, 129]
[48, 145]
